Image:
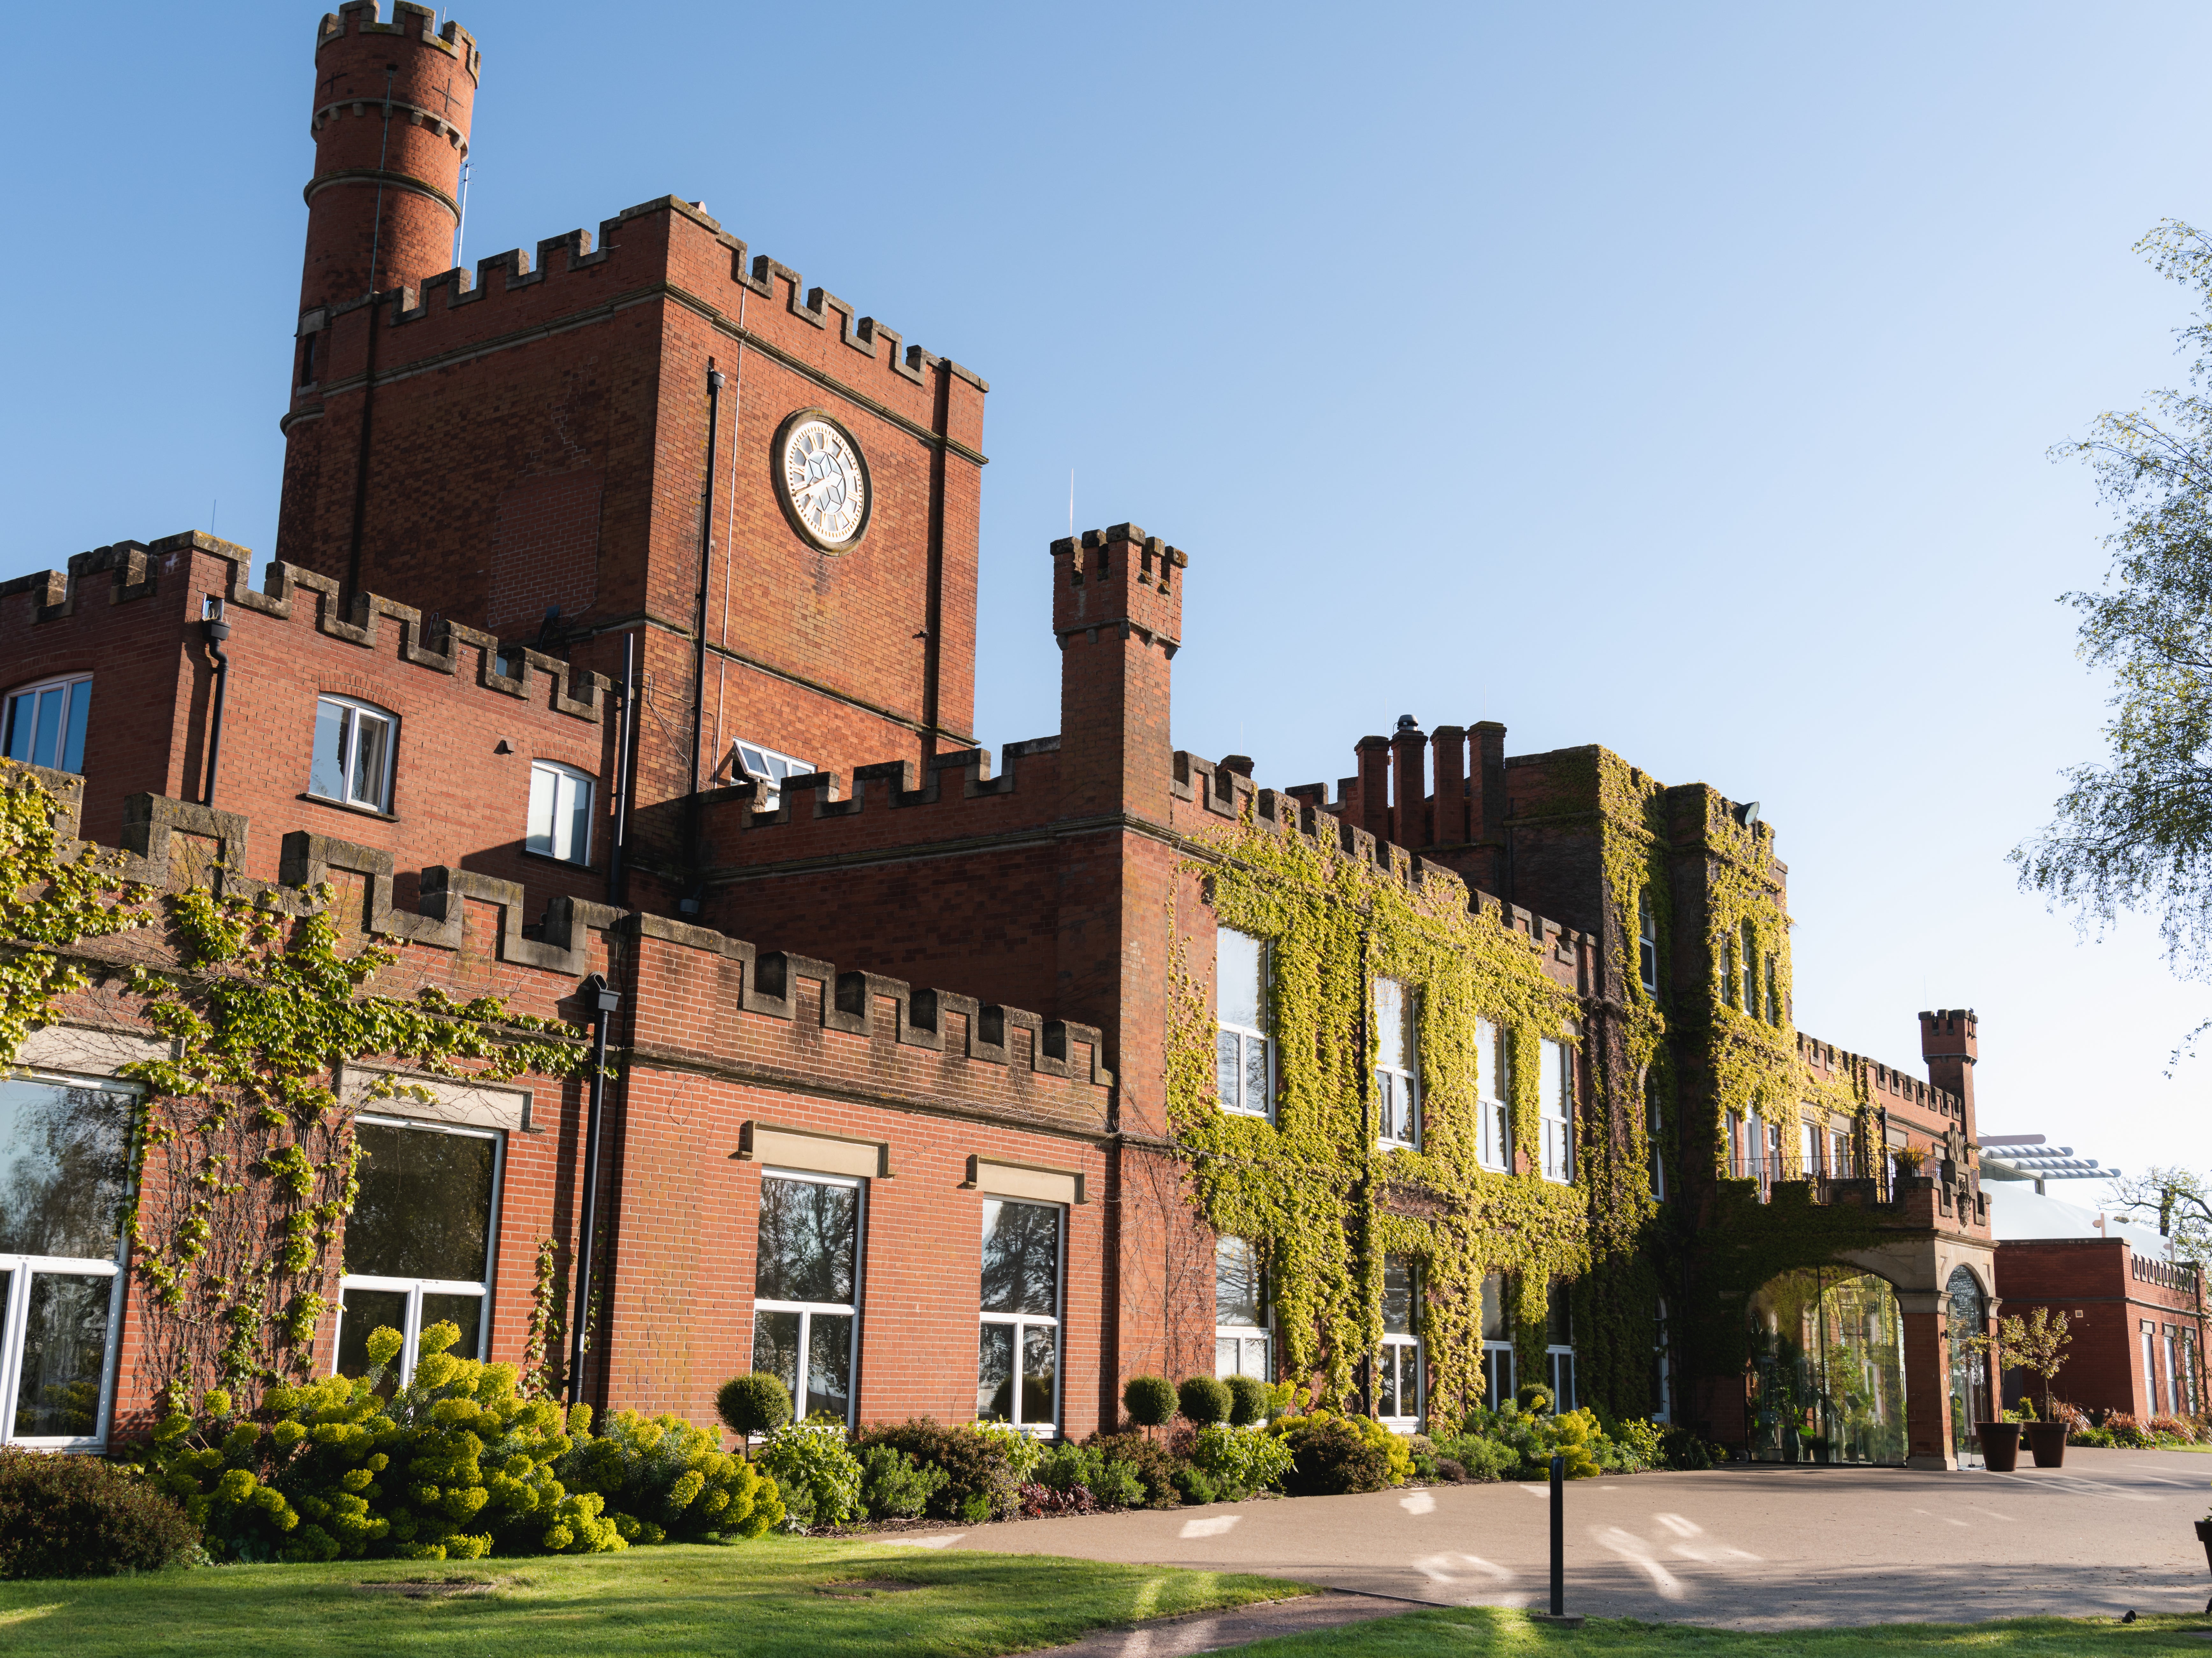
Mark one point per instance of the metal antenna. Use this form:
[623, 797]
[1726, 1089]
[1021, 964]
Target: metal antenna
[461, 225]
[384, 150]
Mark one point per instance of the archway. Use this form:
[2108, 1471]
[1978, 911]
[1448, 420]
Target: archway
[1827, 1368]
[1969, 1317]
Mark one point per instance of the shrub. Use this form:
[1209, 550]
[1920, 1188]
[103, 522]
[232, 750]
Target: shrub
[1477, 1458]
[1205, 1399]
[1150, 1463]
[1329, 1455]
[1451, 1472]
[1109, 1483]
[661, 1477]
[454, 1464]
[1422, 1451]
[1629, 1446]
[894, 1486]
[1250, 1400]
[1196, 1485]
[1039, 1500]
[1680, 1448]
[1534, 1400]
[754, 1403]
[979, 1485]
[1149, 1399]
[76, 1516]
[1021, 1449]
[818, 1475]
[1240, 1460]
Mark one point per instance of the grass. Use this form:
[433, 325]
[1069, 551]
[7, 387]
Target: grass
[783, 1596]
[1488, 1629]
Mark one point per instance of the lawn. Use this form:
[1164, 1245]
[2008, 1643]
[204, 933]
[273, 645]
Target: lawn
[1487, 1629]
[783, 1596]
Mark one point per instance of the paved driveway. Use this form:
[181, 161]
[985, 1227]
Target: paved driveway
[1741, 1548]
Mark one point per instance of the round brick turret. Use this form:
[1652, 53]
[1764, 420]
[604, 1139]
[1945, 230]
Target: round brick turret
[391, 109]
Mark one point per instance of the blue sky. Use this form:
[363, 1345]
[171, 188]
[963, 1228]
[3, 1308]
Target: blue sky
[1678, 378]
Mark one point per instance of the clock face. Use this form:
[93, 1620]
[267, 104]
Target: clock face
[824, 482]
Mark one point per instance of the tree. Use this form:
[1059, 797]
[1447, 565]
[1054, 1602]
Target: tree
[2134, 831]
[2182, 1201]
[2037, 1343]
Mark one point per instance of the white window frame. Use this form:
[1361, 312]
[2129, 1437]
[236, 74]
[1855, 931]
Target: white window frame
[1773, 990]
[1555, 1103]
[1493, 1088]
[1559, 1355]
[74, 724]
[1024, 1322]
[1403, 1352]
[1812, 1149]
[2150, 1364]
[416, 1288]
[806, 1309]
[1398, 1088]
[1654, 1129]
[1750, 980]
[1243, 1336]
[1499, 1363]
[1839, 1154]
[562, 785]
[1663, 1358]
[15, 1307]
[349, 741]
[1647, 941]
[769, 767]
[2166, 1333]
[1245, 1037]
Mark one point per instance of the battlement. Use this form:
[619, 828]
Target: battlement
[133, 571]
[171, 845]
[1888, 1084]
[417, 25]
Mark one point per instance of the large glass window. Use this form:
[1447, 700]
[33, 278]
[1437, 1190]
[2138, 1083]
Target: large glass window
[1827, 1371]
[1397, 1064]
[1560, 1346]
[1662, 1367]
[64, 1184]
[1018, 1360]
[354, 745]
[1555, 1089]
[1748, 983]
[1240, 1311]
[560, 812]
[418, 1244]
[1493, 1095]
[45, 724]
[1497, 1382]
[806, 1322]
[1398, 1360]
[1243, 1066]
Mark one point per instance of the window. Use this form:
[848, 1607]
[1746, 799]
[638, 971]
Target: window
[1772, 1171]
[1555, 1083]
[1728, 973]
[418, 1244]
[1748, 983]
[1839, 1155]
[45, 724]
[1017, 1366]
[2150, 1365]
[1773, 993]
[806, 1274]
[1398, 1360]
[1493, 1093]
[1397, 1064]
[1662, 1379]
[1497, 1383]
[1243, 1068]
[64, 1187]
[1240, 1311]
[1809, 1137]
[1559, 1347]
[353, 753]
[1738, 1166]
[2166, 1374]
[560, 812]
[1655, 1136]
[769, 768]
[1647, 941]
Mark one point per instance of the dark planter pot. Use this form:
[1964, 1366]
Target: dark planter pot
[2204, 1536]
[1999, 1445]
[2047, 1439]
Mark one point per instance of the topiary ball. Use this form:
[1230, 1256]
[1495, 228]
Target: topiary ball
[1534, 1400]
[1205, 1399]
[1149, 1399]
[1247, 1400]
[754, 1403]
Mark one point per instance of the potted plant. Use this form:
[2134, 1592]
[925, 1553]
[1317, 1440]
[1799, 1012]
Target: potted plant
[2039, 1343]
[2204, 1536]
[1999, 1445]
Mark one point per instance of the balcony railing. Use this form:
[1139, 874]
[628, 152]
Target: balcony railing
[1767, 1167]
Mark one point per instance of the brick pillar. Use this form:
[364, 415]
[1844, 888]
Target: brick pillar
[1927, 1379]
[1373, 806]
[1486, 765]
[1949, 1043]
[1117, 612]
[1448, 817]
[1409, 787]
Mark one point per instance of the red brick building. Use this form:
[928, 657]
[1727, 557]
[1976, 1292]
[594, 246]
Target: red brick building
[667, 674]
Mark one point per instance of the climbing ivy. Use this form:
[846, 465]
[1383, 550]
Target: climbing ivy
[1313, 1188]
[246, 1161]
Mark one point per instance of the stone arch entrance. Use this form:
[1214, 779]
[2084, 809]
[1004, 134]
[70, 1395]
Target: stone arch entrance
[1827, 1368]
[1968, 1316]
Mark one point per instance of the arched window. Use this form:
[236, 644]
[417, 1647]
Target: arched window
[1968, 1310]
[1647, 941]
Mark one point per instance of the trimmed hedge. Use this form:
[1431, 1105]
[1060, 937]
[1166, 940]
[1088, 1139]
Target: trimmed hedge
[77, 1516]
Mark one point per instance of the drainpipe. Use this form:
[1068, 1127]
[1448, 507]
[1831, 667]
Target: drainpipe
[691, 902]
[603, 1002]
[624, 742]
[214, 630]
